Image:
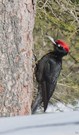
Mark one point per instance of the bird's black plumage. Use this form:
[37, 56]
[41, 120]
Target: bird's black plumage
[47, 71]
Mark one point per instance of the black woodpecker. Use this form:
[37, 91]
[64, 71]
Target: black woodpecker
[47, 71]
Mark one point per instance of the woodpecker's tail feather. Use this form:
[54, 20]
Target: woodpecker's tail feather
[37, 103]
[44, 95]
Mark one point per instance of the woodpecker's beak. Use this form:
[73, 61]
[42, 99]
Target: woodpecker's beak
[53, 41]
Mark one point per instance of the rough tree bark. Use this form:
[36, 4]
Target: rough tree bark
[16, 44]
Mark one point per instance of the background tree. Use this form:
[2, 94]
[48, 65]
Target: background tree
[60, 19]
[16, 74]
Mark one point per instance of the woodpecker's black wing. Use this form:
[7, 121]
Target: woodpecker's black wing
[40, 68]
[51, 72]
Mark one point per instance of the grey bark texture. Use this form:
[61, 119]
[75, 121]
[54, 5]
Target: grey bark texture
[16, 44]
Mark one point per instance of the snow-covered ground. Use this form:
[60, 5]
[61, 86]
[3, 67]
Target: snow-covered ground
[60, 107]
[61, 123]
[59, 119]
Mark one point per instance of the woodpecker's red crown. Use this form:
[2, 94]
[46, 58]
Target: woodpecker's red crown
[63, 44]
[59, 43]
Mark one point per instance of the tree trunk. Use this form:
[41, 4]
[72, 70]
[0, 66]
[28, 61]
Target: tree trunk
[16, 74]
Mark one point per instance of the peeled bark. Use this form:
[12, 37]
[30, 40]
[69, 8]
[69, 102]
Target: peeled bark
[16, 44]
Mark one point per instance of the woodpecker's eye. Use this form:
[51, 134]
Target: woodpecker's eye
[60, 47]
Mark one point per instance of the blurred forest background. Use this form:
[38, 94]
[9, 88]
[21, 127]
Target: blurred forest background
[60, 19]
